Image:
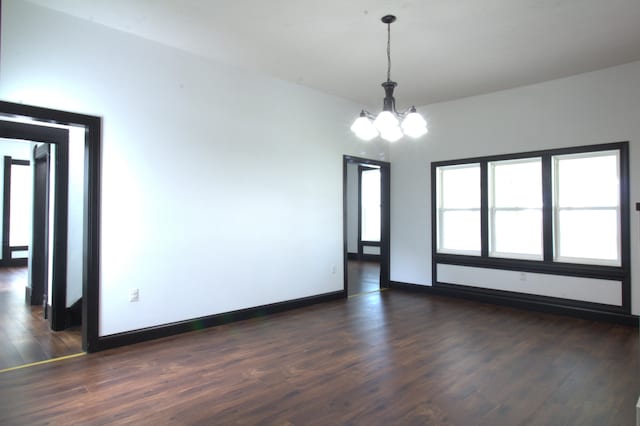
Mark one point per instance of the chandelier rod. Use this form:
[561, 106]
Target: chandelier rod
[388, 51]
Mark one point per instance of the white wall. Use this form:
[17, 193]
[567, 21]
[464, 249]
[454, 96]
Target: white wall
[591, 108]
[222, 188]
[352, 208]
[17, 150]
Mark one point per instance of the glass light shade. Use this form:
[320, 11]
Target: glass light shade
[392, 134]
[414, 125]
[385, 122]
[364, 128]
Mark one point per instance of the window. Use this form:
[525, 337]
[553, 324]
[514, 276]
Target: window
[548, 210]
[370, 205]
[458, 209]
[21, 191]
[515, 208]
[586, 207]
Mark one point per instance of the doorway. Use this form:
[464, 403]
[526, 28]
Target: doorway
[23, 122]
[37, 320]
[366, 218]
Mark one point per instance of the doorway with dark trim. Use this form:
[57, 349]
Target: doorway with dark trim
[48, 127]
[366, 225]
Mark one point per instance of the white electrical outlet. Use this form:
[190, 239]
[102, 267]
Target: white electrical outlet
[333, 269]
[523, 276]
[134, 295]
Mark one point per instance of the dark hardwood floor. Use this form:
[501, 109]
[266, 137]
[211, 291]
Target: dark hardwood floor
[25, 335]
[384, 358]
[362, 277]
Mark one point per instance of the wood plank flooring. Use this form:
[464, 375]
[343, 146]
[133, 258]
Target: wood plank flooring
[25, 335]
[384, 358]
[362, 277]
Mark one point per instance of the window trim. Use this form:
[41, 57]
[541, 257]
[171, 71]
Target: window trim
[548, 265]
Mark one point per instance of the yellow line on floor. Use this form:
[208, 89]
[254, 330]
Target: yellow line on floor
[46, 361]
[367, 292]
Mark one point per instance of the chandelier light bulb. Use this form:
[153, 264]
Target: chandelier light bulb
[385, 122]
[414, 125]
[393, 134]
[364, 128]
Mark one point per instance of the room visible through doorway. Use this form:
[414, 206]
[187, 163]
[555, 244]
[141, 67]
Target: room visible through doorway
[41, 268]
[366, 216]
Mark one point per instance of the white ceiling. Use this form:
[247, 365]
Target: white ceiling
[440, 49]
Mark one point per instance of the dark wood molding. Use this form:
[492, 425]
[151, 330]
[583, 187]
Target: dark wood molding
[74, 314]
[27, 295]
[91, 204]
[547, 209]
[47, 315]
[40, 223]
[352, 256]
[6, 208]
[556, 268]
[60, 233]
[484, 210]
[359, 190]
[7, 263]
[166, 330]
[541, 304]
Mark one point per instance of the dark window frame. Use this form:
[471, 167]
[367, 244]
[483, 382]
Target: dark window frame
[547, 265]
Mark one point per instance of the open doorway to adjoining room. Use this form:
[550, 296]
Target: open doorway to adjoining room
[366, 224]
[49, 269]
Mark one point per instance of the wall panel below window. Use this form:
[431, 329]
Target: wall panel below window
[593, 290]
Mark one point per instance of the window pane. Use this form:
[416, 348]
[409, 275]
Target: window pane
[460, 230]
[588, 234]
[515, 200]
[460, 186]
[518, 232]
[517, 184]
[21, 199]
[370, 205]
[578, 184]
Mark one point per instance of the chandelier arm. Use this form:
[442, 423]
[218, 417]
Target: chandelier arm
[369, 114]
[404, 113]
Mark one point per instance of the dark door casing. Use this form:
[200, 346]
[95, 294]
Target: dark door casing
[40, 231]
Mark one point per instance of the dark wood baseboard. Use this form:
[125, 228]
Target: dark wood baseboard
[12, 263]
[27, 295]
[537, 305]
[364, 257]
[74, 314]
[157, 332]
[370, 257]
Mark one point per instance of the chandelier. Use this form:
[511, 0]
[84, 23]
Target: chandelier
[387, 123]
